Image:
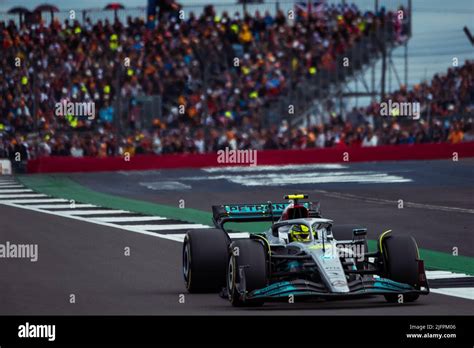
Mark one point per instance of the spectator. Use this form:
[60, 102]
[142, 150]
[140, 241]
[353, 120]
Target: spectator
[370, 138]
[456, 135]
[74, 62]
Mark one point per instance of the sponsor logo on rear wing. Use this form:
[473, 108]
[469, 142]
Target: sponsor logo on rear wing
[252, 212]
[258, 209]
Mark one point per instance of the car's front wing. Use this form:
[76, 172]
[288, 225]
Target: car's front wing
[307, 290]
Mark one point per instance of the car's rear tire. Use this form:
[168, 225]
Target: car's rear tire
[205, 260]
[253, 255]
[400, 257]
[345, 232]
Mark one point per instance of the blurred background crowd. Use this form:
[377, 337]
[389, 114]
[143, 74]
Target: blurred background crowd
[253, 59]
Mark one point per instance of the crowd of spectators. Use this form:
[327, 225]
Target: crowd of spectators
[220, 70]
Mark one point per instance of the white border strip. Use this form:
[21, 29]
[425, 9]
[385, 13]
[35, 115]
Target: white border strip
[467, 293]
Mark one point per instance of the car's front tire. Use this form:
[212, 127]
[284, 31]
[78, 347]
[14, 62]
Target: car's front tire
[400, 256]
[205, 260]
[253, 256]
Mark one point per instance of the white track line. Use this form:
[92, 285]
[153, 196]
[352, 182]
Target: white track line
[91, 212]
[130, 228]
[129, 219]
[8, 190]
[26, 195]
[239, 234]
[319, 179]
[89, 220]
[63, 206]
[280, 179]
[180, 236]
[167, 227]
[467, 293]
[266, 168]
[12, 185]
[445, 275]
[39, 201]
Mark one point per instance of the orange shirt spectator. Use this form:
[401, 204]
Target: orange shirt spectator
[455, 136]
[246, 35]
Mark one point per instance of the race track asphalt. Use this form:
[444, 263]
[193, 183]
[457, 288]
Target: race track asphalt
[88, 260]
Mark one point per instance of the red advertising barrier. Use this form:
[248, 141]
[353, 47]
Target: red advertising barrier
[328, 155]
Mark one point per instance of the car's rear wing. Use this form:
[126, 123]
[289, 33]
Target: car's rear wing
[256, 212]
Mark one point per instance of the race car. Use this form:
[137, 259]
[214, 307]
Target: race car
[301, 257]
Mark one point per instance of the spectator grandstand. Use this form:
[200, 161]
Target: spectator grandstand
[42, 65]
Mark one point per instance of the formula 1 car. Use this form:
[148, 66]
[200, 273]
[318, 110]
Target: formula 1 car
[302, 256]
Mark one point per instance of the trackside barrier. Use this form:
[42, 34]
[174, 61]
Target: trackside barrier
[267, 157]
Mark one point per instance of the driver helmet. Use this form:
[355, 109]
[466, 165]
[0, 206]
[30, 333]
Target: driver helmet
[299, 233]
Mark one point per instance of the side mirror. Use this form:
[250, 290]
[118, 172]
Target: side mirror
[357, 232]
